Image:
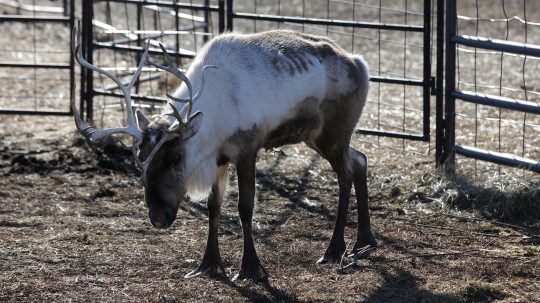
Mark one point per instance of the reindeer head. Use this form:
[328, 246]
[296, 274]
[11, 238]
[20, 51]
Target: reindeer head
[161, 159]
[158, 145]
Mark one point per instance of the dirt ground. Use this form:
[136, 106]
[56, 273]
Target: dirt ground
[74, 227]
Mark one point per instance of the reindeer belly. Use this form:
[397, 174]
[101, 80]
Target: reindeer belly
[303, 126]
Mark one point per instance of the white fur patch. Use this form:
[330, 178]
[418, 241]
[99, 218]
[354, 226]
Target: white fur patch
[200, 180]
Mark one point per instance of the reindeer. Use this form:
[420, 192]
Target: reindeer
[263, 90]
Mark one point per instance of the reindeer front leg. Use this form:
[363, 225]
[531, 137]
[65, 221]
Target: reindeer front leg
[212, 260]
[251, 266]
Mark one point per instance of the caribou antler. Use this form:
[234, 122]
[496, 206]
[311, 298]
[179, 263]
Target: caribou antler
[95, 135]
[89, 131]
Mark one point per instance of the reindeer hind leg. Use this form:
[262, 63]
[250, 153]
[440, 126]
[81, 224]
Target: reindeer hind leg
[336, 247]
[364, 237]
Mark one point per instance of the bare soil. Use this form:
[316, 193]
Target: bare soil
[74, 227]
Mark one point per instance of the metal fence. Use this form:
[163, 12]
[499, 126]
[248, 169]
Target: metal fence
[114, 32]
[401, 100]
[40, 58]
[492, 97]
[487, 99]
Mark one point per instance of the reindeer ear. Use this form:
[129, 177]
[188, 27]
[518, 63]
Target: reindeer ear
[193, 125]
[142, 121]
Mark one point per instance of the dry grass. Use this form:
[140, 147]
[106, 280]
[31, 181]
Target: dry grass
[73, 226]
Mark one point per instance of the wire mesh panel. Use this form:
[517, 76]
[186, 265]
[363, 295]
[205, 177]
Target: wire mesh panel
[393, 37]
[494, 91]
[36, 56]
[118, 33]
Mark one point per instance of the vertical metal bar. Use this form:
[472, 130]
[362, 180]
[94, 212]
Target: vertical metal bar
[230, 14]
[255, 20]
[87, 49]
[177, 35]
[427, 68]
[206, 19]
[439, 111]
[139, 41]
[448, 157]
[65, 4]
[221, 16]
[82, 98]
[71, 58]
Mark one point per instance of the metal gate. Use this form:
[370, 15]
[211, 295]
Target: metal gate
[415, 33]
[503, 109]
[35, 57]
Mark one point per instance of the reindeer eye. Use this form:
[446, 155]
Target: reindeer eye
[177, 161]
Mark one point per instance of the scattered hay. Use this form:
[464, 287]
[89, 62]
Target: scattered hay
[510, 199]
[480, 292]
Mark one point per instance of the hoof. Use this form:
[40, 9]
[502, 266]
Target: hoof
[253, 278]
[333, 254]
[207, 270]
[254, 275]
[322, 260]
[330, 259]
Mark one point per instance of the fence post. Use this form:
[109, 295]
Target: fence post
[426, 70]
[71, 58]
[87, 77]
[221, 16]
[229, 15]
[439, 102]
[448, 157]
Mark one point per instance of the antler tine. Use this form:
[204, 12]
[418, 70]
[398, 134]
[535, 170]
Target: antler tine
[80, 59]
[81, 125]
[176, 114]
[90, 132]
[203, 78]
[144, 59]
[173, 69]
[199, 91]
[197, 95]
[138, 162]
[95, 134]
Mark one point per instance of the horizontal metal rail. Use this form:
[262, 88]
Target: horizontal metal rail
[393, 80]
[398, 135]
[151, 77]
[133, 35]
[140, 49]
[498, 45]
[34, 113]
[498, 101]
[102, 92]
[22, 18]
[171, 4]
[330, 22]
[37, 65]
[496, 157]
[32, 8]
[180, 15]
